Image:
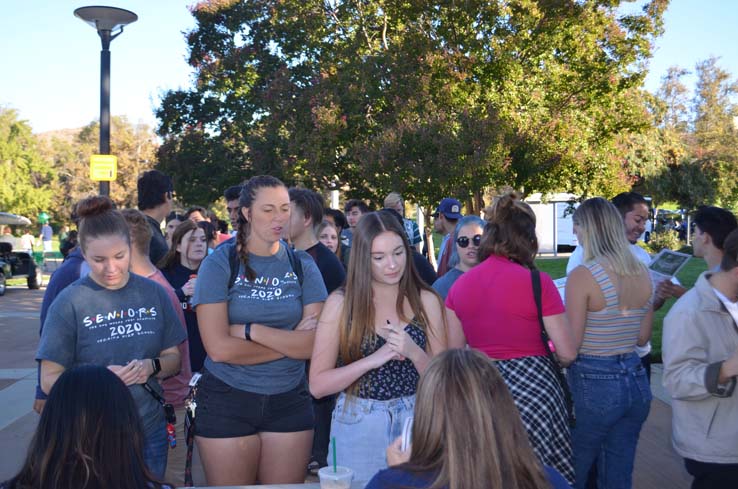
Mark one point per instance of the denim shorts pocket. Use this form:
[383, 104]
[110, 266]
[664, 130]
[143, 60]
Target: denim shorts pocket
[347, 412]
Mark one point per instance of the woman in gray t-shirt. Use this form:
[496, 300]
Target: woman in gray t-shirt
[115, 319]
[257, 304]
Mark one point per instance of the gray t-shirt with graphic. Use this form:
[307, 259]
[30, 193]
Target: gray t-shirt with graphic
[88, 324]
[274, 298]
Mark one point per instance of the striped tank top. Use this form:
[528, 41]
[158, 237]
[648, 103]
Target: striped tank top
[612, 330]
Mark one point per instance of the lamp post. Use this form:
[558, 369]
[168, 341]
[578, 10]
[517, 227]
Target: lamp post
[109, 22]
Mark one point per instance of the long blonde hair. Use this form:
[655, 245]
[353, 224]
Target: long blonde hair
[358, 316]
[467, 429]
[601, 233]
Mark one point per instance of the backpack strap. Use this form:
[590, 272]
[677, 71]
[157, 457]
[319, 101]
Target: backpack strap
[295, 263]
[235, 263]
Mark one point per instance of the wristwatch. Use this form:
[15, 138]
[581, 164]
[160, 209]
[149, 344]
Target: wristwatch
[156, 364]
[247, 331]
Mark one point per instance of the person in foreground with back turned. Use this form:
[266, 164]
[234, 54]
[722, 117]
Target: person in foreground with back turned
[89, 437]
[608, 302]
[495, 304]
[466, 433]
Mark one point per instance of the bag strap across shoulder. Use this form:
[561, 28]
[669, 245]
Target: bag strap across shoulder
[535, 276]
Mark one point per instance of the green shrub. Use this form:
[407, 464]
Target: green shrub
[666, 239]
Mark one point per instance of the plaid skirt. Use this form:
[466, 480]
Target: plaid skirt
[540, 400]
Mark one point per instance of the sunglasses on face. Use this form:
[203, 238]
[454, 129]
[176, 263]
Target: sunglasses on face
[463, 241]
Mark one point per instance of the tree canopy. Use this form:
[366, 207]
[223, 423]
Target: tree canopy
[427, 98]
[25, 174]
[696, 138]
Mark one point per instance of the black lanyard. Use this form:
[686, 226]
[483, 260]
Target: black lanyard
[168, 408]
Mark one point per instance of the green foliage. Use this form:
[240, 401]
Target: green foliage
[134, 145]
[25, 174]
[699, 141]
[427, 98]
[666, 239]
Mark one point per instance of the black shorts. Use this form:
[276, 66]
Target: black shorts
[227, 412]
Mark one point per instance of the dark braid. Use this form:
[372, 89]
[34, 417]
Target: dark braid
[248, 194]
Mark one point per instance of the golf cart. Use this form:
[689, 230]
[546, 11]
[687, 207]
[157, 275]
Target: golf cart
[16, 263]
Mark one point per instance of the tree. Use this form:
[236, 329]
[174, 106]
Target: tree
[428, 98]
[25, 174]
[134, 145]
[698, 142]
[715, 134]
[675, 115]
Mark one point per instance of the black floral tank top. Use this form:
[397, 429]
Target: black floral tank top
[395, 378]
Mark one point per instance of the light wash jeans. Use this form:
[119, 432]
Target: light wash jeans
[612, 398]
[364, 428]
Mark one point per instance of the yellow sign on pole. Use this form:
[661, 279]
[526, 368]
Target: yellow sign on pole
[103, 168]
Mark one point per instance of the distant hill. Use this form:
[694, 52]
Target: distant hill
[67, 135]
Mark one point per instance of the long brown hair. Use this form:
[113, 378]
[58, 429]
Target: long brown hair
[172, 258]
[467, 429]
[358, 306]
[89, 436]
[248, 194]
[510, 231]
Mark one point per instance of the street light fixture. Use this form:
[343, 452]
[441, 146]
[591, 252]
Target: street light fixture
[109, 22]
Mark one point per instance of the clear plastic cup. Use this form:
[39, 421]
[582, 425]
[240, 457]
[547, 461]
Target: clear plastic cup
[340, 479]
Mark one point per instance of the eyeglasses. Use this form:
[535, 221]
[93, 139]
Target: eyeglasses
[463, 241]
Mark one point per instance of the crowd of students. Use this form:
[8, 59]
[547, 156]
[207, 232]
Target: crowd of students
[306, 326]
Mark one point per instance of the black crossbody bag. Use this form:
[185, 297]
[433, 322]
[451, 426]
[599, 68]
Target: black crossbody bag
[558, 370]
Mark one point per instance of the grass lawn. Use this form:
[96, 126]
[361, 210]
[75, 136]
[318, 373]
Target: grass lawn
[556, 267]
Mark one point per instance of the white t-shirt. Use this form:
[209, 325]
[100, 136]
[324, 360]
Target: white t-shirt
[731, 306]
[577, 258]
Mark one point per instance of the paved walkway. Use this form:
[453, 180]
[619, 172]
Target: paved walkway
[657, 465]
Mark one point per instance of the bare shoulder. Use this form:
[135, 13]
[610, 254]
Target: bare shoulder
[335, 298]
[580, 275]
[431, 299]
[333, 305]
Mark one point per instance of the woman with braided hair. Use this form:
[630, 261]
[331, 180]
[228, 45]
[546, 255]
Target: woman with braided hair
[257, 303]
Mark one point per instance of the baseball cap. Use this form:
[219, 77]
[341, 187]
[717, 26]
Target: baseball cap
[450, 207]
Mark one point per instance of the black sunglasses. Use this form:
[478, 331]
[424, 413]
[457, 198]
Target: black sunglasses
[463, 241]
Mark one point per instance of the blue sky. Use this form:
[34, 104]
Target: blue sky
[51, 60]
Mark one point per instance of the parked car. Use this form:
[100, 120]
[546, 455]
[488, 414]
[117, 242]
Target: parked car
[17, 263]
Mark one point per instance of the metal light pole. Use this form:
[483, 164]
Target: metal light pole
[105, 20]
